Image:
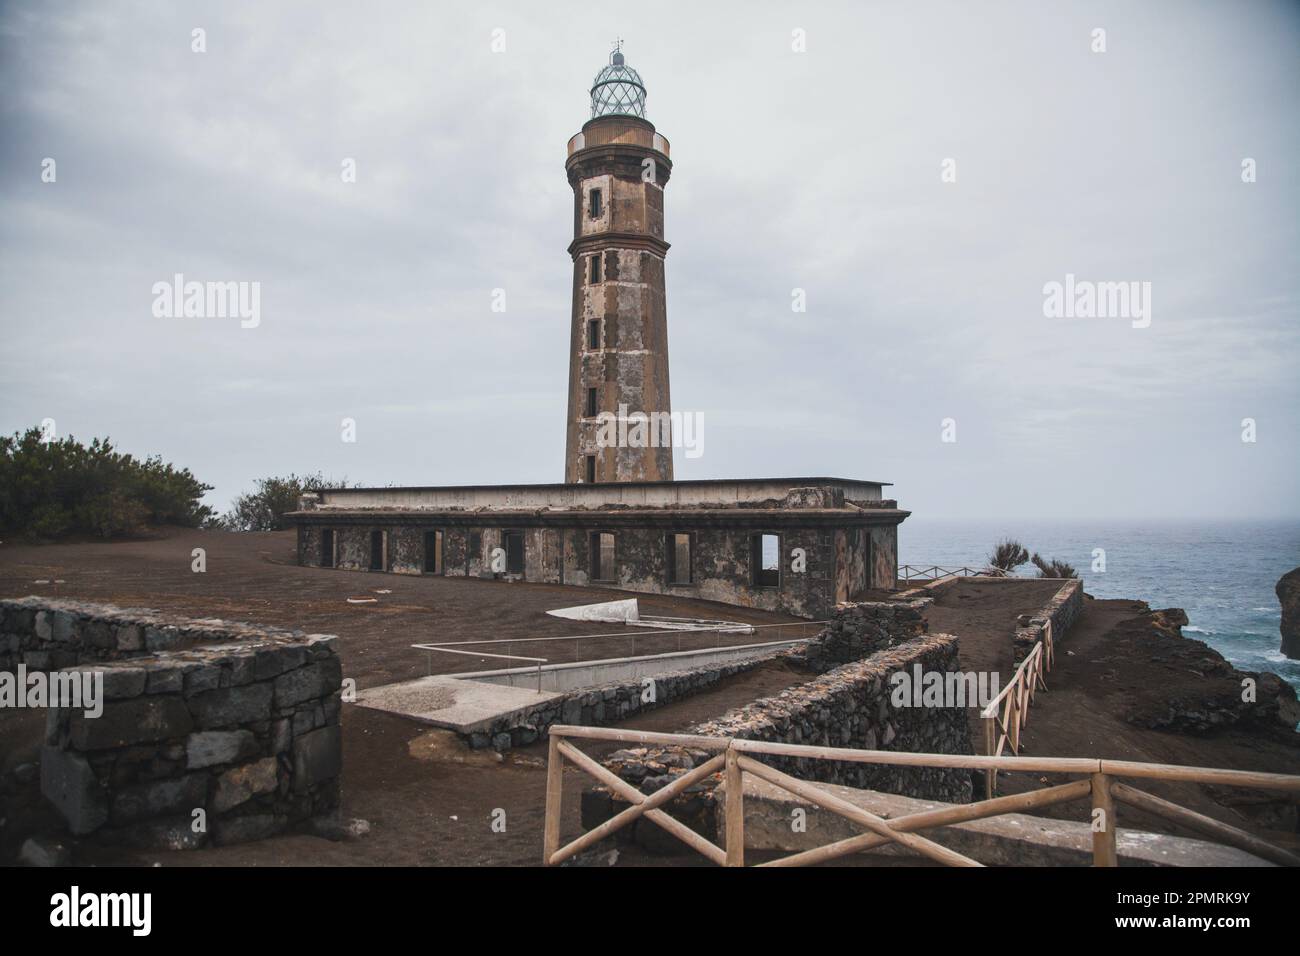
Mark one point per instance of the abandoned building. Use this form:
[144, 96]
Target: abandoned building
[798, 545]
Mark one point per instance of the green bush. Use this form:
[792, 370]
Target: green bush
[265, 508]
[49, 489]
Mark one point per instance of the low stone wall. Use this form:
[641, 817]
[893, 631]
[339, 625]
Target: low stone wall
[610, 703]
[1062, 611]
[858, 630]
[848, 706]
[236, 721]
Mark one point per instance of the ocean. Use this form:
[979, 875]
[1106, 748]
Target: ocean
[1222, 573]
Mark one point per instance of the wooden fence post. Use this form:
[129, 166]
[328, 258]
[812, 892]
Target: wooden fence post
[735, 778]
[554, 797]
[990, 747]
[1103, 840]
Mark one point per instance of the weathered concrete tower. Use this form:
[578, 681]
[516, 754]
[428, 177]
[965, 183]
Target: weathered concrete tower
[618, 361]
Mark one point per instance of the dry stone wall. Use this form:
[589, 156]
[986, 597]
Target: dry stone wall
[208, 731]
[1062, 611]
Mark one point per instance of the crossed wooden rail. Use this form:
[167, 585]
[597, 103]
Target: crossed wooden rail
[1006, 714]
[732, 759]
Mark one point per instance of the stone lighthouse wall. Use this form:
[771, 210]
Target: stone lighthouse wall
[619, 335]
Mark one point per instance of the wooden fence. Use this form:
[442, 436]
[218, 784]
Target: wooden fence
[734, 758]
[1007, 713]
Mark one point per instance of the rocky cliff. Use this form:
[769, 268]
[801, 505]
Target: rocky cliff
[1288, 592]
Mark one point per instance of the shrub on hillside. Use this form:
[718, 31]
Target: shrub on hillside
[265, 508]
[49, 489]
[1008, 554]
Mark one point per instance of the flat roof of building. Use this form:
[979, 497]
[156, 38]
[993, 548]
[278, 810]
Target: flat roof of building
[699, 482]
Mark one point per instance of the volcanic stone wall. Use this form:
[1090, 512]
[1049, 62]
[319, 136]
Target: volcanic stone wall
[1062, 610]
[209, 730]
[848, 706]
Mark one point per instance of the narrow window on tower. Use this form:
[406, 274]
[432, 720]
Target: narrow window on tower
[593, 275]
[593, 334]
[591, 403]
[591, 469]
[594, 204]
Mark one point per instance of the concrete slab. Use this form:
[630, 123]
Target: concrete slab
[1013, 839]
[565, 678]
[615, 612]
[464, 706]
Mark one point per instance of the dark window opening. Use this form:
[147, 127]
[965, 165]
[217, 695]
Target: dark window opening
[327, 548]
[376, 551]
[593, 334]
[594, 204]
[593, 274]
[765, 559]
[602, 556]
[433, 552]
[592, 403]
[475, 550]
[591, 469]
[679, 558]
[514, 544]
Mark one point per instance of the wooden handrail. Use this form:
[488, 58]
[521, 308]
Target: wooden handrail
[734, 757]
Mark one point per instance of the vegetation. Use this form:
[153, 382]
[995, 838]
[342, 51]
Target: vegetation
[265, 508]
[1053, 568]
[1008, 554]
[50, 489]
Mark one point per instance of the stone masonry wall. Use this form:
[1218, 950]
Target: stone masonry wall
[848, 706]
[240, 722]
[859, 630]
[1062, 610]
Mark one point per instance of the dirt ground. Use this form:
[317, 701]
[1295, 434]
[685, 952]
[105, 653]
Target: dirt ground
[429, 800]
[1110, 664]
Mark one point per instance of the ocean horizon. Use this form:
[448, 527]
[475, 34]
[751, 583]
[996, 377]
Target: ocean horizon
[1221, 572]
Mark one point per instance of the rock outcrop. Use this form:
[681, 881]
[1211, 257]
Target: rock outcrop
[1288, 592]
[1200, 692]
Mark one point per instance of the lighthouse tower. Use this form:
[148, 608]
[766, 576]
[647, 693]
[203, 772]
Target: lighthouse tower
[618, 166]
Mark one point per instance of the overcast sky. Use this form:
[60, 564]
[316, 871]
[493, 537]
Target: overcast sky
[818, 170]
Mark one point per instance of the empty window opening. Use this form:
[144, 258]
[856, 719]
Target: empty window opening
[595, 205]
[514, 545]
[591, 469]
[592, 403]
[593, 334]
[679, 558]
[433, 552]
[327, 548]
[593, 267]
[602, 556]
[377, 539]
[765, 558]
